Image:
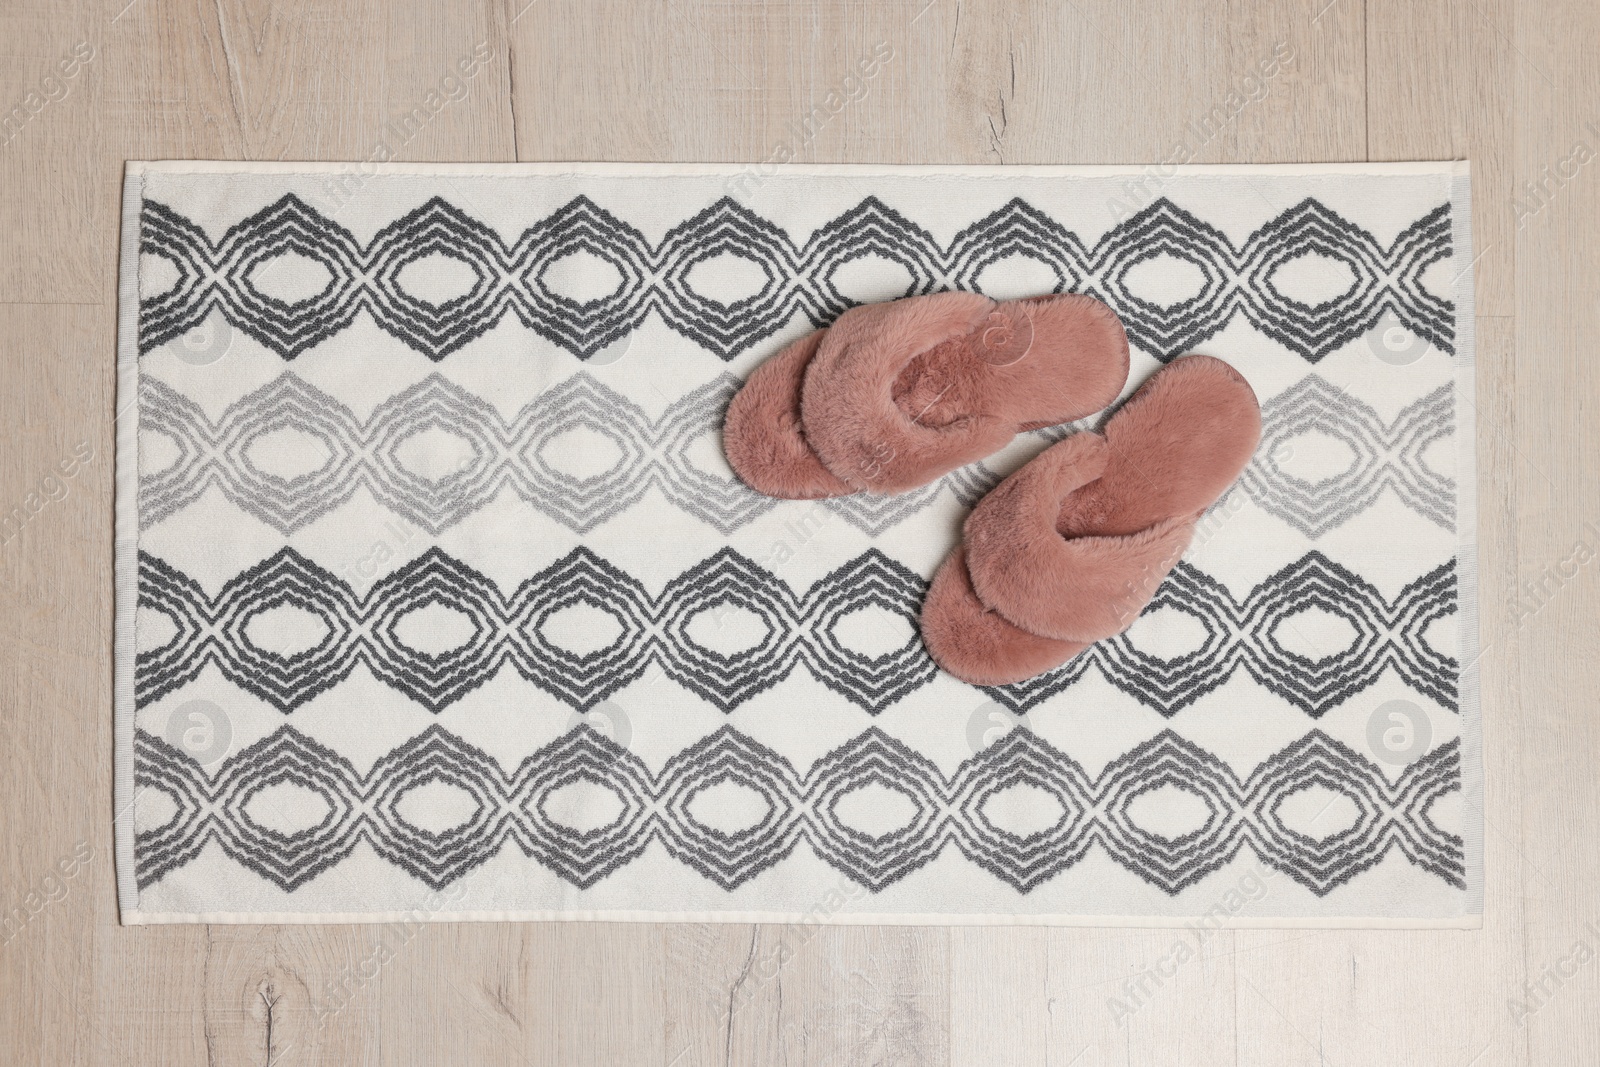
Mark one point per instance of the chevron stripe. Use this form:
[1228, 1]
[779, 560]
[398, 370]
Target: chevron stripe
[799, 630]
[798, 808]
[798, 277]
[659, 453]
[1248, 634]
[1385, 455]
[502, 454]
[511, 630]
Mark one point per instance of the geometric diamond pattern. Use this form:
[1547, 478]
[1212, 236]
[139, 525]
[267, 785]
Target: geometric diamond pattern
[796, 278]
[796, 630]
[799, 807]
[502, 454]
[511, 630]
[1385, 455]
[365, 454]
[1248, 634]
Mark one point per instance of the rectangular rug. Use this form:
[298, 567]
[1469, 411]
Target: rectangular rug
[436, 599]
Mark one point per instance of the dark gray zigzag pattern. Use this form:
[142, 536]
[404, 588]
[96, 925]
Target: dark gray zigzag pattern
[798, 276]
[799, 807]
[800, 630]
[510, 629]
[1384, 455]
[503, 453]
[1248, 634]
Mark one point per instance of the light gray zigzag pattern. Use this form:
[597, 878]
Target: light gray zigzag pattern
[1386, 455]
[648, 452]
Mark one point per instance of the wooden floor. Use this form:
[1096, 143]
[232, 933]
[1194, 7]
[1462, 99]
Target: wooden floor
[1513, 87]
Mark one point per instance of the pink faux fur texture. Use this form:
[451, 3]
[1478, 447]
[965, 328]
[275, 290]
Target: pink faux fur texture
[976, 644]
[899, 394]
[1077, 559]
[761, 432]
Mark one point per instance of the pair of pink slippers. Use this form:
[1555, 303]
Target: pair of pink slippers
[1066, 551]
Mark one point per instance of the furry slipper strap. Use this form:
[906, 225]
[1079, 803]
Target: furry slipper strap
[1078, 561]
[977, 644]
[966, 637]
[1070, 589]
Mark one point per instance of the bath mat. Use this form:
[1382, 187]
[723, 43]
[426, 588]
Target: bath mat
[437, 600]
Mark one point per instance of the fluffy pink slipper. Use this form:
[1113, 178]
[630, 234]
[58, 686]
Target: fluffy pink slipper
[972, 641]
[892, 396]
[1074, 545]
[901, 393]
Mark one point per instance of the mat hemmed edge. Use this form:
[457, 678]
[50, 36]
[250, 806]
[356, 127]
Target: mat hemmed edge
[769, 170]
[125, 429]
[773, 918]
[1468, 696]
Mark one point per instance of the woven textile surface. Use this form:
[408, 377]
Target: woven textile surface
[436, 598]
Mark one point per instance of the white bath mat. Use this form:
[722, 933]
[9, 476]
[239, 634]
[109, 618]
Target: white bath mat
[437, 600]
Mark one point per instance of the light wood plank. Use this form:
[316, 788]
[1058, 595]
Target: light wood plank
[1557, 319]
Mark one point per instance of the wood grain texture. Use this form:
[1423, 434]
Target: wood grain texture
[1513, 87]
